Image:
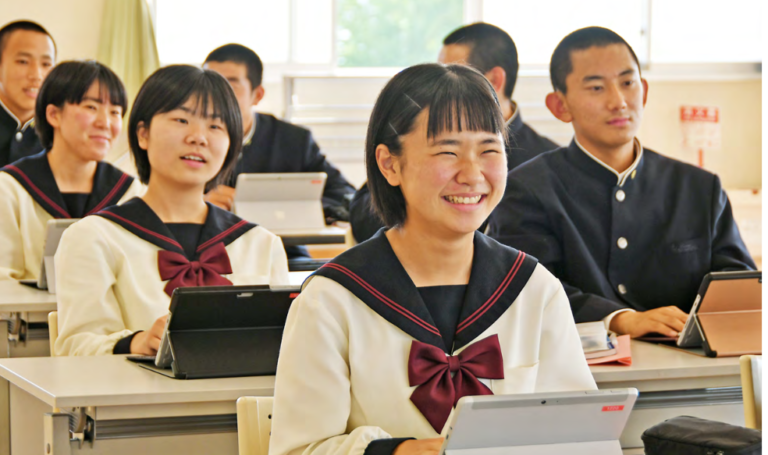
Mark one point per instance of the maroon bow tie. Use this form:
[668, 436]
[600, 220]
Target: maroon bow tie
[437, 392]
[207, 271]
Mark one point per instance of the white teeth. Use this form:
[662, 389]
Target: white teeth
[463, 200]
[193, 158]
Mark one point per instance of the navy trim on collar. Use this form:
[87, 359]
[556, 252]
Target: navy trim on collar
[35, 175]
[372, 272]
[138, 218]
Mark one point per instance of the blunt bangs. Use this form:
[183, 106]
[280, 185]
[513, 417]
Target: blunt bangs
[67, 83]
[170, 88]
[459, 98]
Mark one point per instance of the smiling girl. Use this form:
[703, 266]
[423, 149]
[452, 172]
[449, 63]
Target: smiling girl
[384, 339]
[79, 115]
[120, 267]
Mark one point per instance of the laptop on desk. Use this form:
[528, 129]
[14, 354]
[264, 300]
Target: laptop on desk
[573, 423]
[290, 203]
[222, 331]
[47, 277]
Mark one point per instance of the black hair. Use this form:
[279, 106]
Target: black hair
[240, 54]
[457, 96]
[489, 47]
[561, 65]
[170, 88]
[11, 27]
[68, 82]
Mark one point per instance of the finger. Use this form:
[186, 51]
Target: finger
[153, 343]
[663, 329]
[672, 321]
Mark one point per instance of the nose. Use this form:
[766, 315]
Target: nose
[102, 120]
[197, 133]
[36, 71]
[470, 173]
[616, 99]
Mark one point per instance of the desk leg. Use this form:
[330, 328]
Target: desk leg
[56, 434]
[5, 408]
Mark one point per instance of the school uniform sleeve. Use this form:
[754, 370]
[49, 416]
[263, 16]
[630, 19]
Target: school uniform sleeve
[279, 273]
[562, 366]
[11, 248]
[728, 249]
[336, 186]
[363, 221]
[90, 318]
[312, 387]
[520, 221]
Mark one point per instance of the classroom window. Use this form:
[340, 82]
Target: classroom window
[538, 26]
[399, 33]
[705, 31]
[187, 30]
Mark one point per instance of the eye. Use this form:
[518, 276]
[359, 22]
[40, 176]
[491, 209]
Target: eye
[490, 151]
[216, 127]
[595, 88]
[181, 120]
[90, 106]
[629, 83]
[47, 64]
[446, 153]
[116, 112]
[22, 62]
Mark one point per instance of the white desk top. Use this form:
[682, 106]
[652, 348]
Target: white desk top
[114, 381]
[297, 278]
[652, 362]
[18, 297]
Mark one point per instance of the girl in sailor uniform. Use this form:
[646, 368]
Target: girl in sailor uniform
[78, 116]
[385, 339]
[116, 270]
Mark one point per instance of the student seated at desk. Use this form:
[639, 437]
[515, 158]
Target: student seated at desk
[117, 269]
[271, 145]
[384, 339]
[79, 116]
[629, 232]
[492, 51]
[27, 55]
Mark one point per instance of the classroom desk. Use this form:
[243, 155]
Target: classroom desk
[124, 409]
[325, 236]
[673, 383]
[127, 409]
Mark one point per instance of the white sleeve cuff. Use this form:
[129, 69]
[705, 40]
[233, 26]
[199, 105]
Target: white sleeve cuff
[607, 320]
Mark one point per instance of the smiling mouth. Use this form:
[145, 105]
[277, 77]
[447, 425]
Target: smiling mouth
[464, 200]
[193, 158]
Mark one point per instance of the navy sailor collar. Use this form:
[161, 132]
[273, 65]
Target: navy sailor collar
[372, 272]
[139, 219]
[35, 175]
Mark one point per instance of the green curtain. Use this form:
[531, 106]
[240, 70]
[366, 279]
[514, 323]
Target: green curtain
[127, 43]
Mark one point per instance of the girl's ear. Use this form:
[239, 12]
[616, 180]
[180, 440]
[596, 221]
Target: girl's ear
[389, 165]
[142, 134]
[53, 115]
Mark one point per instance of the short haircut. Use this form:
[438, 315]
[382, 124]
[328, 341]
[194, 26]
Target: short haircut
[68, 82]
[240, 54]
[169, 88]
[561, 65]
[489, 47]
[9, 28]
[457, 96]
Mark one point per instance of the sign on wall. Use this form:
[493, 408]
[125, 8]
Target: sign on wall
[701, 129]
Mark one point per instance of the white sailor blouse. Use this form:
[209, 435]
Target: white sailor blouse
[362, 360]
[29, 198]
[116, 270]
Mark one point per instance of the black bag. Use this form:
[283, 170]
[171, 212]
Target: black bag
[687, 435]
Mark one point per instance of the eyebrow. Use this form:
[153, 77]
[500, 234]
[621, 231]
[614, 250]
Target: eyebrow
[600, 78]
[89, 98]
[489, 140]
[193, 112]
[27, 54]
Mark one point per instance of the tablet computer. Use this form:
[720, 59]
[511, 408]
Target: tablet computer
[576, 423]
[719, 292]
[281, 202]
[220, 331]
[46, 279]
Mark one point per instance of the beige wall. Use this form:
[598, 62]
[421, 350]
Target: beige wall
[74, 24]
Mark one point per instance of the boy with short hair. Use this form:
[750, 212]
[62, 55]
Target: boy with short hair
[629, 232]
[27, 55]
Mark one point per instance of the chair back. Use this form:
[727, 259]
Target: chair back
[254, 425]
[752, 390]
[53, 330]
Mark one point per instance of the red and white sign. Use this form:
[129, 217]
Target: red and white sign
[701, 129]
[613, 408]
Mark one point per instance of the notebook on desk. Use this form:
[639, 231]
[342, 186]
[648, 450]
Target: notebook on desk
[282, 202]
[573, 423]
[47, 277]
[222, 331]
